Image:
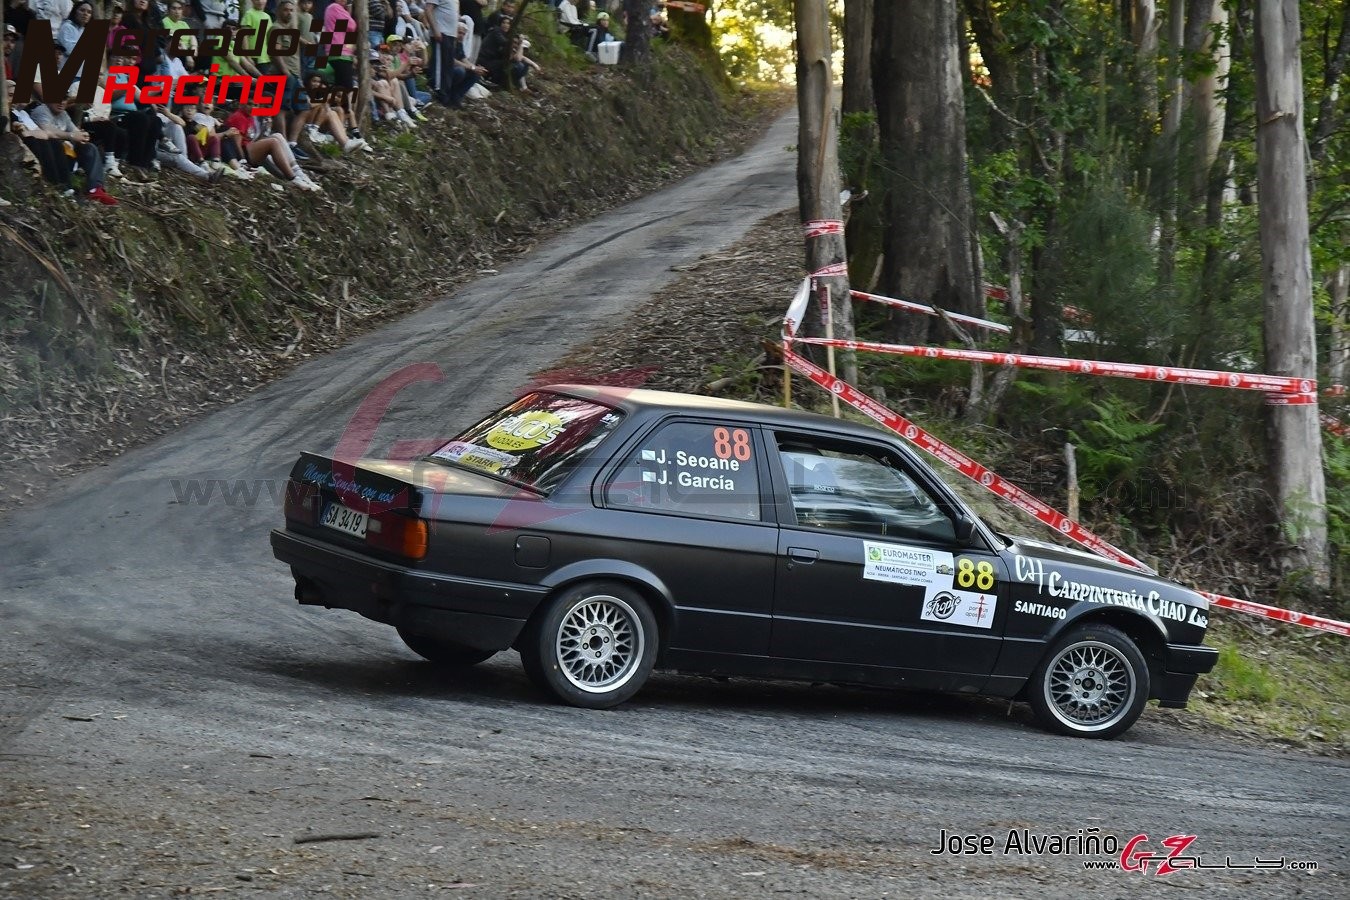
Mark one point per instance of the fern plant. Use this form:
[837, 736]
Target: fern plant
[1114, 447]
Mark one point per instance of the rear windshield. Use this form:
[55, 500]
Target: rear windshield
[535, 442]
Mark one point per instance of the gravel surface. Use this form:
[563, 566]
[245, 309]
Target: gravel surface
[172, 723]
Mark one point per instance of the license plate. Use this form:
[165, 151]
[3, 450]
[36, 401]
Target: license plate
[335, 515]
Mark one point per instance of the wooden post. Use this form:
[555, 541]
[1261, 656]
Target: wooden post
[828, 315]
[1072, 463]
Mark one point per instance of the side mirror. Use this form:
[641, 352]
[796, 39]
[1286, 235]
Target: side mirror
[964, 527]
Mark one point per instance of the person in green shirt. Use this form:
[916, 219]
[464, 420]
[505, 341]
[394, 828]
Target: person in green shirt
[174, 23]
[257, 19]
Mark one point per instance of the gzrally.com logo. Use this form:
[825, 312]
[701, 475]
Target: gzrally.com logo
[1172, 854]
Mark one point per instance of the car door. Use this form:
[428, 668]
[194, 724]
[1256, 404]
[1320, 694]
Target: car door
[869, 569]
[689, 501]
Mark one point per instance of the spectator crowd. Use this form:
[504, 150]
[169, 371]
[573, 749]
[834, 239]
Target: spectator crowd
[420, 52]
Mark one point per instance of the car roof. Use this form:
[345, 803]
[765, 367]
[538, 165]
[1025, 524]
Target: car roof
[639, 400]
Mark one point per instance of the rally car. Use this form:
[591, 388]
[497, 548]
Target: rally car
[607, 532]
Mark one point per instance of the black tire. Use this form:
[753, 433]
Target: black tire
[444, 653]
[593, 646]
[1093, 683]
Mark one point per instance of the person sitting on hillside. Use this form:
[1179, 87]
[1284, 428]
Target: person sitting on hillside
[110, 137]
[176, 137]
[498, 56]
[506, 11]
[570, 24]
[203, 143]
[52, 118]
[270, 152]
[599, 34]
[465, 74]
[46, 147]
[142, 127]
[323, 117]
[660, 24]
[72, 29]
[403, 68]
[406, 26]
[173, 22]
[388, 91]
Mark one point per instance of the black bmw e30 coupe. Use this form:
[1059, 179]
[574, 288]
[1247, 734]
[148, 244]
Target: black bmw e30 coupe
[606, 532]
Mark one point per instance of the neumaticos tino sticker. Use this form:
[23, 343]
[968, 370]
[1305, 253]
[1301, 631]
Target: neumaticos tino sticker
[945, 579]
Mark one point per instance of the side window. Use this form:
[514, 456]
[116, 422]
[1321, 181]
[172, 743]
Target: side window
[691, 468]
[842, 487]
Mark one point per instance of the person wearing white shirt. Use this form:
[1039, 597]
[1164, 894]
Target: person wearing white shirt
[442, 20]
[54, 11]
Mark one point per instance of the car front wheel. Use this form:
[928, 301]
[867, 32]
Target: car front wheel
[1093, 683]
[443, 653]
[594, 645]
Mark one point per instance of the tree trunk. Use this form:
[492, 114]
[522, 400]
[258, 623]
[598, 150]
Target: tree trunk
[1294, 434]
[1145, 25]
[1329, 111]
[361, 12]
[1169, 145]
[858, 57]
[1206, 20]
[1339, 288]
[918, 79]
[818, 171]
[637, 36]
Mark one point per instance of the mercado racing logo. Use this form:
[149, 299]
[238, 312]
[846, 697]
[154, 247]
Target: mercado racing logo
[42, 63]
[1170, 855]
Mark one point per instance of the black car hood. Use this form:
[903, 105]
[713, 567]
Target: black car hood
[1056, 553]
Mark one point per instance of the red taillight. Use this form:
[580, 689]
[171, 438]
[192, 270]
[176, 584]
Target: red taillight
[302, 502]
[398, 534]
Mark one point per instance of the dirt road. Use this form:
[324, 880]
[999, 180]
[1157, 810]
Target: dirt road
[172, 723]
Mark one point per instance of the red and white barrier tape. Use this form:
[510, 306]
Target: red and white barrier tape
[1307, 620]
[796, 311]
[1021, 499]
[1308, 399]
[833, 269]
[927, 310]
[1162, 374]
[821, 227]
[959, 461]
[1335, 426]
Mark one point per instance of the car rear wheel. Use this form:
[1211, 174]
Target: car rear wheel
[593, 646]
[444, 653]
[1093, 683]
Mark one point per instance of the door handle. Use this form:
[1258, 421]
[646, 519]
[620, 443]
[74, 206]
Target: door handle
[803, 555]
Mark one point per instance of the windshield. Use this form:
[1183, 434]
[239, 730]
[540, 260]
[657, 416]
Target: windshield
[534, 442]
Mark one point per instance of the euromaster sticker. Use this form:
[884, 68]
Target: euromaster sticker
[899, 564]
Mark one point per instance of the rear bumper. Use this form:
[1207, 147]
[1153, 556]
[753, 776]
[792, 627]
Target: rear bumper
[1185, 663]
[482, 615]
